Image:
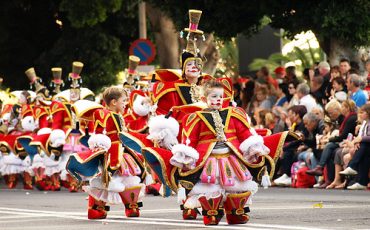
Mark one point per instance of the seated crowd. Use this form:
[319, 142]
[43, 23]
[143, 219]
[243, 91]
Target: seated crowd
[328, 109]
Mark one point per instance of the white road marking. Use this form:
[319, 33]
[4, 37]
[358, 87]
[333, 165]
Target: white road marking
[142, 220]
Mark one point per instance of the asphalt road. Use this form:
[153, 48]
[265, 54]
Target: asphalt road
[274, 208]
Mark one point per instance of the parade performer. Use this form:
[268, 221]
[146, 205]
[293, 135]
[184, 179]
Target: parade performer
[64, 119]
[219, 156]
[115, 176]
[16, 160]
[211, 163]
[131, 75]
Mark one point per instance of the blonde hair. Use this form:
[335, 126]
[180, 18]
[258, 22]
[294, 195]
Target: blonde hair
[113, 93]
[333, 104]
[350, 104]
[210, 84]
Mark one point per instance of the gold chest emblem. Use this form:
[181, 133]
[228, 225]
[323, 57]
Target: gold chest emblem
[159, 87]
[38, 111]
[101, 114]
[55, 107]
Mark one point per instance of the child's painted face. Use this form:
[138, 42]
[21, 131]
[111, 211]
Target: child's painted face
[215, 98]
[192, 70]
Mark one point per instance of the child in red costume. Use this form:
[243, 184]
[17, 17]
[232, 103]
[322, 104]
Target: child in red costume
[115, 176]
[211, 163]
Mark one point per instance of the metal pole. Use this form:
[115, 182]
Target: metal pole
[142, 20]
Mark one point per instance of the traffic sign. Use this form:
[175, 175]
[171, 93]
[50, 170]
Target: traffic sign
[144, 49]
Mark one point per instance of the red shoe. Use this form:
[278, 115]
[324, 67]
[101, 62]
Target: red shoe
[73, 185]
[93, 214]
[27, 181]
[153, 189]
[97, 209]
[12, 181]
[40, 185]
[132, 212]
[234, 204]
[55, 182]
[130, 198]
[64, 184]
[211, 220]
[189, 214]
[212, 213]
[237, 219]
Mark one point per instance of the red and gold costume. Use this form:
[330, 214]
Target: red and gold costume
[120, 179]
[137, 118]
[220, 167]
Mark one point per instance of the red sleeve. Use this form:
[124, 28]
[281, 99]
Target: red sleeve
[166, 102]
[58, 120]
[43, 121]
[242, 130]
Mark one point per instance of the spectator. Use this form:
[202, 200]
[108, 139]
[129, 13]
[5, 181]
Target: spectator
[360, 162]
[338, 84]
[356, 93]
[303, 93]
[318, 89]
[324, 71]
[367, 76]
[315, 127]
[260, 118]
[295, 121]
[264, 75]
[347, 126]
[237, 91]
[247, 95]
[334, 72]
[280, 117]
[281, 95]
[344, 67]
[319, 111]
[292, 95]
[280, 74]
[291, 76]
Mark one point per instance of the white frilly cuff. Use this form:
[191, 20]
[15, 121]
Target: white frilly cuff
[253, 147]
[101, 141]
[184, 155]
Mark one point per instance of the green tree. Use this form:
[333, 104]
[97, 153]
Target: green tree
[339, 26]
[96, 32]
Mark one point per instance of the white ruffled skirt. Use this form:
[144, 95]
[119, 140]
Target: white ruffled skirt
[11, 164]
[218, 186]
[51, 166]
[117, 184]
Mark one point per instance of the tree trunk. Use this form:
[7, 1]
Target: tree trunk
[166, 37]
[336, 50]
[209, 50]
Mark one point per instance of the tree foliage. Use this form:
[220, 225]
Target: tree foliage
[96, 32]
[346, 21]
[225, 18]
[99, 32]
